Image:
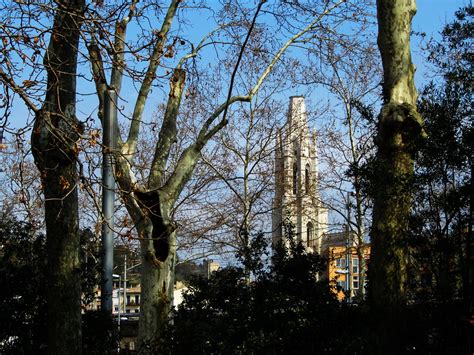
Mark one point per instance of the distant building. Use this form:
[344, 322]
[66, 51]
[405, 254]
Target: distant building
[297, 200]
[344, 267]
[296, 180]
[184, 271]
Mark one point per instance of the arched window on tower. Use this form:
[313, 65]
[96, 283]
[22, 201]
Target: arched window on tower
[307, 179]
[309, 234]
[295, 177]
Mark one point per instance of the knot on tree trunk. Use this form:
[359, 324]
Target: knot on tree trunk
[401, 128]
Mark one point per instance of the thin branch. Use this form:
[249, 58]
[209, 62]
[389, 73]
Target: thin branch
[288, 44]
[232, 78]
[12, 85]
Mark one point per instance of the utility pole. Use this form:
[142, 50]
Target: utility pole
[108, 196]
[348, 248]
[125, 283]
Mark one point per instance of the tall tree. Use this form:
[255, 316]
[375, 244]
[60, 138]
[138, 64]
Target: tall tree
[399, 129]
[54, 145]
[243, 167]
[348, 146]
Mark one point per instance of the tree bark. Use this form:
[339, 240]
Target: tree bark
[54, 138]
[399, 129]
[158, 247]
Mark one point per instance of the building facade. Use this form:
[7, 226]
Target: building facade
[345, 267]
[296, 180]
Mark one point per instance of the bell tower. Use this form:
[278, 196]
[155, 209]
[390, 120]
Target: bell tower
[296, 180]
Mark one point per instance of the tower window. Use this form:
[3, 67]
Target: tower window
[295, 178]
[309, 233]
[307, 178]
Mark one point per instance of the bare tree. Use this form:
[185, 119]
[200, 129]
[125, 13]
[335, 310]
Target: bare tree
[348, 139]
[20, 195]
[243, 163]
[151, 206]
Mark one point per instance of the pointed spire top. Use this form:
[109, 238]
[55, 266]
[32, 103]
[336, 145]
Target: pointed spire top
[297, 120]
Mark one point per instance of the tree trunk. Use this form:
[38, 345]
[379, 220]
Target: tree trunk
[54, 147]
[400, 127]
[158, 244]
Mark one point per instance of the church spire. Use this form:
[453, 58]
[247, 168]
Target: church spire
[297, 118]
[296, 180]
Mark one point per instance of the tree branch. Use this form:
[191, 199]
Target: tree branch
[288, 44]
[130, 145]
[98, 73]
[168, 129]
[119, 41]
[12, 85]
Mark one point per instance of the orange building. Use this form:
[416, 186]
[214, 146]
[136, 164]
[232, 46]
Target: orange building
[344, 267]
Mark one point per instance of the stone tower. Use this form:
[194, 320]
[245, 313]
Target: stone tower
[296, 180]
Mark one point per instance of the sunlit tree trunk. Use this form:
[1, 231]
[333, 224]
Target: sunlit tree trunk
[54, 140]
[399, 128]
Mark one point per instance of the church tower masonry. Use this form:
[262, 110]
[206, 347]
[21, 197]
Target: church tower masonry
[296, 180]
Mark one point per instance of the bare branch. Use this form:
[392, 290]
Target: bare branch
[118, 60]
[282, 50]
[12, 85]
[130, 145]
[168, 129]
[100, 80]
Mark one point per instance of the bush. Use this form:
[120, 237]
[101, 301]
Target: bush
[277, 307]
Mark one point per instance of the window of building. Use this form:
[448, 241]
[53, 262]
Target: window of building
[355, 282]
[116, 308]
[341, 263]
[309, 233]
[295, 178]
[137, 310]
[355, 265]
[128, 299]
[307, 178]
[137, 299]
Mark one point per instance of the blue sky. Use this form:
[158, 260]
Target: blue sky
[431, 17]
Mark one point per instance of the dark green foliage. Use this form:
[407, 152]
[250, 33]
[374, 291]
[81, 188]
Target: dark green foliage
[282, 309]
[439, 237]
[90, 266]
[99, 333]
[23, 309]
[453, 55]
[23, 289]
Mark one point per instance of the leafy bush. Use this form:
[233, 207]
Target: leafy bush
[277, 307]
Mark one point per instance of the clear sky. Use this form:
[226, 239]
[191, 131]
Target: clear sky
[431, 17]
